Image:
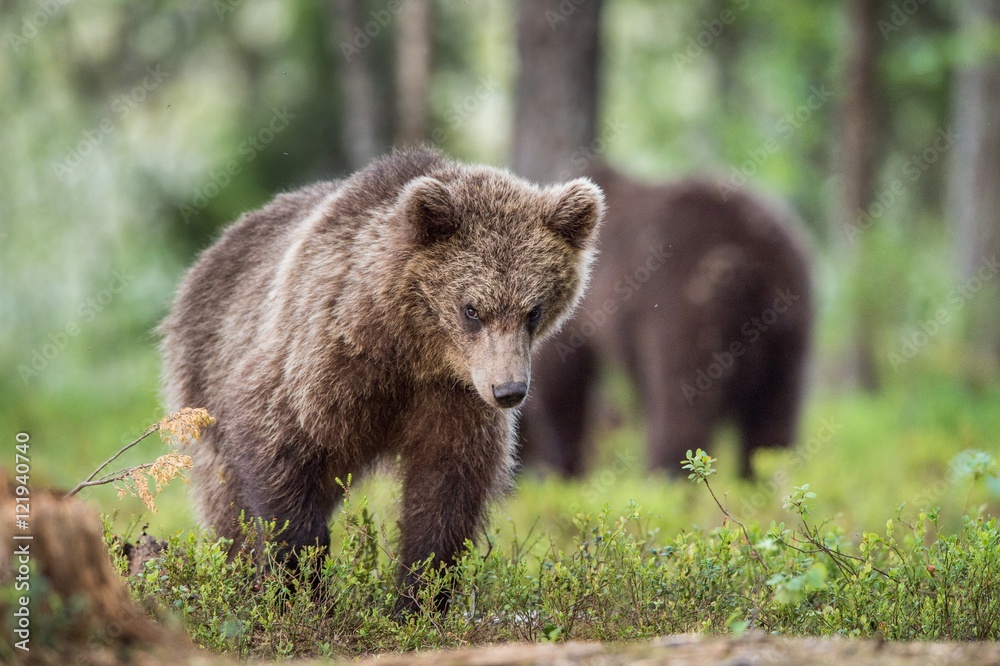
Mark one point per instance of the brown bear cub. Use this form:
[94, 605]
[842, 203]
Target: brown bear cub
[390, 314]
[704, 298]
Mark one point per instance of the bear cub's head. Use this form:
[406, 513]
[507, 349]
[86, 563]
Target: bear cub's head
[498, 264]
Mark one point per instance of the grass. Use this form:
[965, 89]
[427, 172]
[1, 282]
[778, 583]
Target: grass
[613, 578]
[843, 537]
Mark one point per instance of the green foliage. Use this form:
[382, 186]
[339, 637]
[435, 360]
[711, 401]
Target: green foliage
[798, 501]
[615, 580]
[699, 464]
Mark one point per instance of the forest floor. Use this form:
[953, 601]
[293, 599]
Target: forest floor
[752, 648]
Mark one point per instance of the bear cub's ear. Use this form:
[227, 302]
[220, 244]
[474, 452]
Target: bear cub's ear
[430, 210]
[578, 211]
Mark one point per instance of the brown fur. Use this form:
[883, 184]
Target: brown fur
[684, 274]
[329, 330]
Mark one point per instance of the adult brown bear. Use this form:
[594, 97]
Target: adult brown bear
[703, 295]
[390, 314]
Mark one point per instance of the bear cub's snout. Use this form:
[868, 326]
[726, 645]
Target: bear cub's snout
[510, 394]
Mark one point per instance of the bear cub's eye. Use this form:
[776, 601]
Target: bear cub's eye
[535, 316]
[470, 313]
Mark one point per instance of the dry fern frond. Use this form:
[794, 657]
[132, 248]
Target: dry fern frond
[181, 427]
[169, 466]
[161, 471]
[184, 426]
[141, 486]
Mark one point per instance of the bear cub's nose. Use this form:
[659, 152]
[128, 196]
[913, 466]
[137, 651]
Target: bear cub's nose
[510, 394]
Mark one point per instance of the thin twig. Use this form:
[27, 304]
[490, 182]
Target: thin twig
[813, 538]
[110, 478]
[746, 535]
[90, 479]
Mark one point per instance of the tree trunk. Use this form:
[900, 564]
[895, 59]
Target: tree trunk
[555, 116]
[356, 54]
[973, 203]
[857, 168]
[413, 71]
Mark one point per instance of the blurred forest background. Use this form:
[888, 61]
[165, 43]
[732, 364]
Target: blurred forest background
[133, 132]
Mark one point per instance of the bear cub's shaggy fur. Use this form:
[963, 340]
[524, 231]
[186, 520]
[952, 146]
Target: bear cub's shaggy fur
[389, 314]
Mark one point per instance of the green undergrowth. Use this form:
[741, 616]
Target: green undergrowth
[613, 578]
